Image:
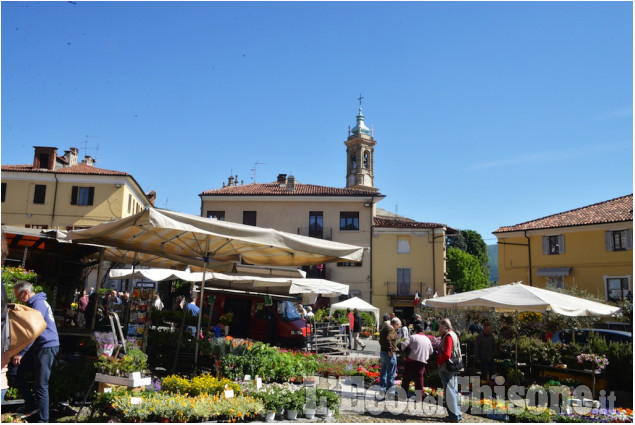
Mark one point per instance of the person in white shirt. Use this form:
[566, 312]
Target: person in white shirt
[415, 364]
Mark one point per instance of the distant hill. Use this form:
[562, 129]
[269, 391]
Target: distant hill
[492, 255]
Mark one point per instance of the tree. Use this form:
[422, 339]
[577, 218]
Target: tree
[471, 242]
[465, 271]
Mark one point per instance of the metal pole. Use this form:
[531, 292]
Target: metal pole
[200, 307]
[100, 272]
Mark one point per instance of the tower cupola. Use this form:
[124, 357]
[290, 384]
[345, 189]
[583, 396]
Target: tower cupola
[360, 154]
[360, 128]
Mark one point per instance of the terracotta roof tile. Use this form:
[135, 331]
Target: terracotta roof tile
[403, 222]
[611, 211]
[275, 189]
[75, 169]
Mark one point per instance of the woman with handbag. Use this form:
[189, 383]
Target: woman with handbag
[450, 364]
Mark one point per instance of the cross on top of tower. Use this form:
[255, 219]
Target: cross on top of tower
[360, 100]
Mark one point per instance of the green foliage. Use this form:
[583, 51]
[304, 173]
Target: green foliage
[71, 380]
[465, 271]
[321, 315]
[368, 319]
[13, 275]
[134, 361]
[268, 362]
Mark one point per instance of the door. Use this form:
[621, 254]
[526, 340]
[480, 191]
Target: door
[403, 281]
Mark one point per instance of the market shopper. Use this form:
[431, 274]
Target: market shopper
[450, 349]
[484, 350]
[357, 329]
[192, 307]
[39, 356]
[6, 331]
[351, 323]
[388, 354]
[416, 362]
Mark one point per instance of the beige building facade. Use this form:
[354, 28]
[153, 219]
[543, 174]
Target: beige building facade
[64, 193]
[387, 277]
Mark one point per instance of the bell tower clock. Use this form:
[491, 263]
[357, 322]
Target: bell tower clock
[360, 154]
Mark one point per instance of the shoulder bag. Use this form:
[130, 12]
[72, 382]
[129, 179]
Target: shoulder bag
[26, 324]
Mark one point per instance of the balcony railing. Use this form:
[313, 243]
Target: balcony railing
[395, 289]
[323, 233]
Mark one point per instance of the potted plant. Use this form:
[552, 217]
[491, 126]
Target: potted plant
[593, 361]
[226, 320]
[295, 401]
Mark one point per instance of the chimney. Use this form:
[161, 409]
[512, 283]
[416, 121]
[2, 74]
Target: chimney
[88, 160]
[152, 196]
[291, 184]
[71, 156]
[44, 157]
[230, 181]
[282, 179]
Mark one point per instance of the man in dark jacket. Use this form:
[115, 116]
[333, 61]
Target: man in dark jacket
[388, 354]
[40, 355]
[357, 329]
[484, 350]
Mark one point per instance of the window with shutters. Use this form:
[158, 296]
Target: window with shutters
[82, 195]
[617, 288]
[39, 194]
[553, 245]
[619, 240]
[403, 281]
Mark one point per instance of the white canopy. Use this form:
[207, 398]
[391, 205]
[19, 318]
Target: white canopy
[279, 285]
[359, 304]
[518, 297]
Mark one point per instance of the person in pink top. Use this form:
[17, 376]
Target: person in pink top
[416, 362]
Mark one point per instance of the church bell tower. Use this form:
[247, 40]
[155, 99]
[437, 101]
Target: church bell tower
[360, 154]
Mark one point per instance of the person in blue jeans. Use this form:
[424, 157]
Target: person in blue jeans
[39, 356]
[388, 353]
[450, 349]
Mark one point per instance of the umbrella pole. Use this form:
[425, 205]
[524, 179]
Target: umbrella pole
[200, 304]
[517, 331]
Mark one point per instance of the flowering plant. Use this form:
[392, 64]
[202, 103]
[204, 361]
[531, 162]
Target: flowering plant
[74, 306]
[226, 319]
[597, 362]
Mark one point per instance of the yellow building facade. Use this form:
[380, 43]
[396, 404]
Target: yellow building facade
[408, 258]
[60, 192]
[590, 248]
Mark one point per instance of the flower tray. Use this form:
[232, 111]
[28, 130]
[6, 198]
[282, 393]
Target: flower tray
[133, 382]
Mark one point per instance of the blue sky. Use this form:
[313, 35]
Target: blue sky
[485, 114]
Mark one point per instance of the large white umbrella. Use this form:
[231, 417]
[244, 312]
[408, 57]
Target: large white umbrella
[161, 232]
[357, 303]
[166, 232]
[516, 297]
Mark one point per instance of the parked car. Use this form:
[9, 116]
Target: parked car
[279, 323]
[582, 335]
